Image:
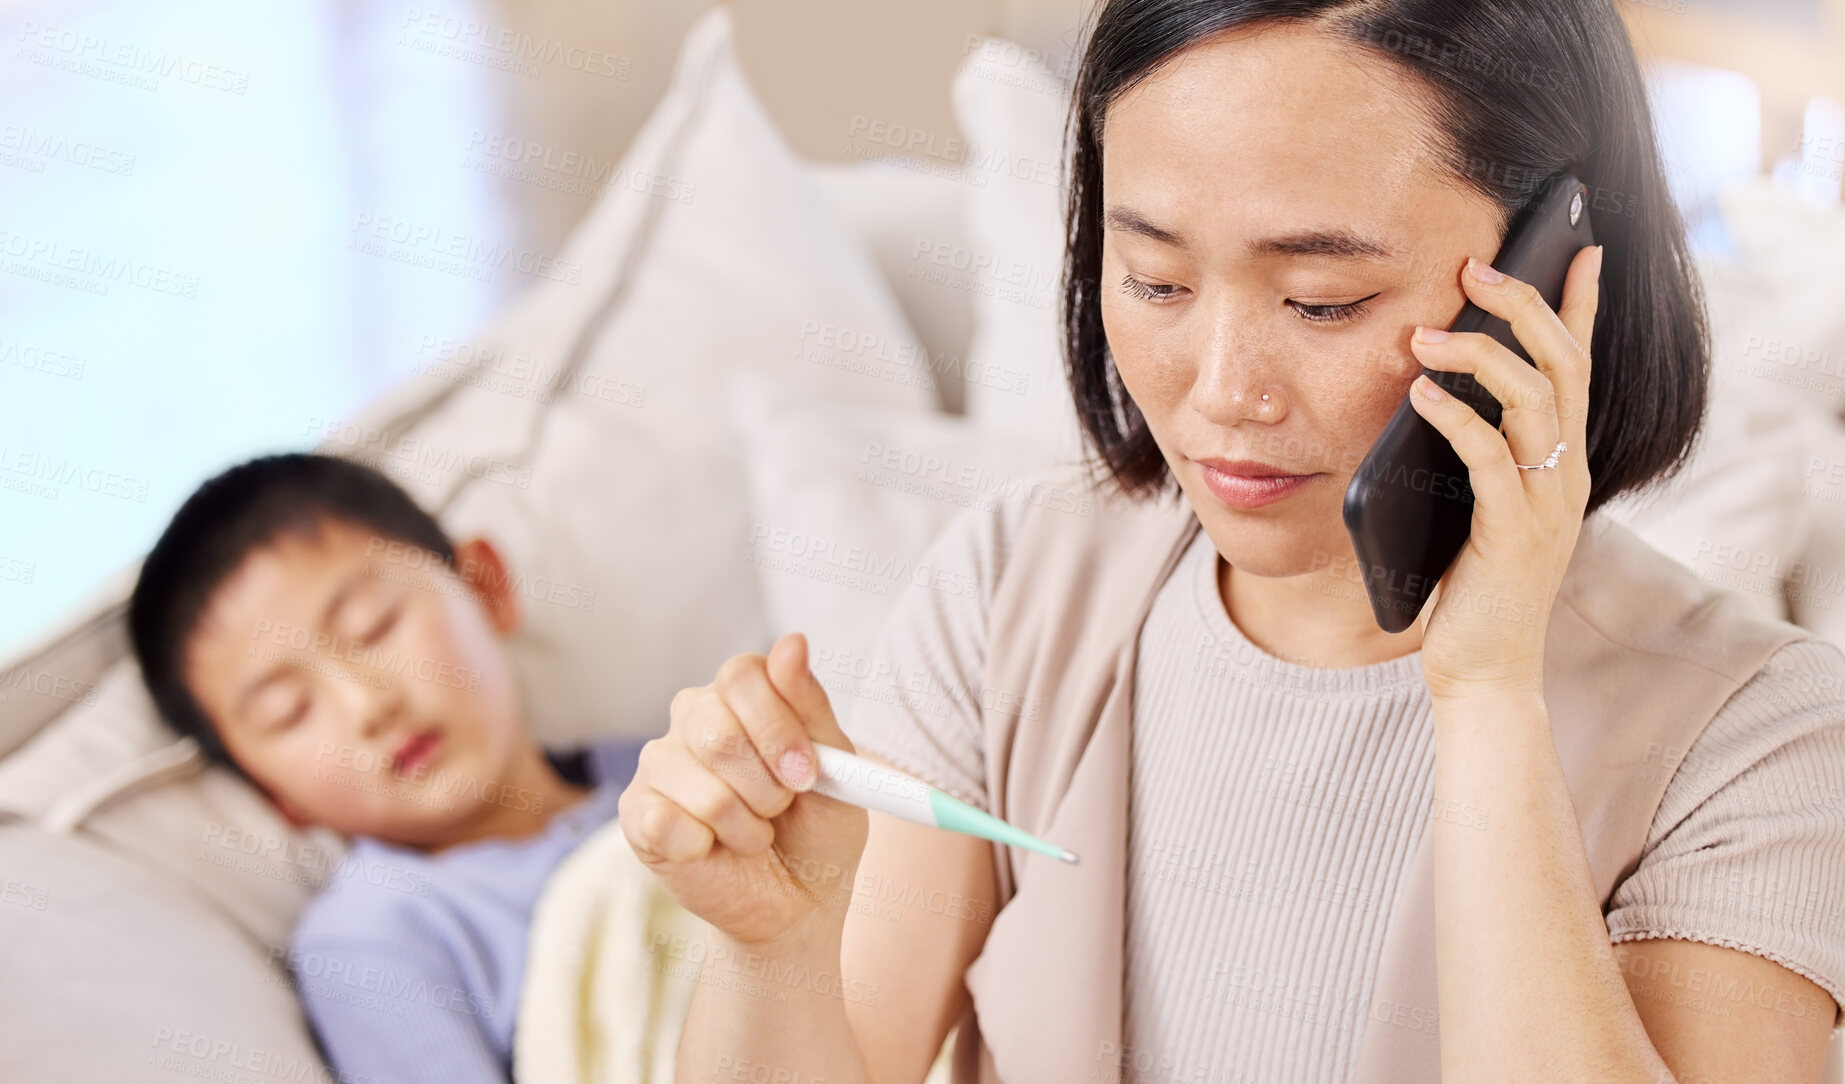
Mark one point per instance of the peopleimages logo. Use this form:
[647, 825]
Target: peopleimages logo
[451, 251]
[30, 148]
[28, 678]
[881, 464]
[856, 566]
[120, 61]
[299, 638]
[421, 459]
[88, 269]
[518, 51]
[192, 1053]
[574, 172]
[977, 159]
[347, 765]
[29, 468]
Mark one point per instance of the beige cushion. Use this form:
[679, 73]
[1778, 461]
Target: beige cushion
[1777, 306]
[111, 772]
[846, 501]
[117, 973]
[1013, 111]
[1735, 515]
[1816, 593]
[934, 215]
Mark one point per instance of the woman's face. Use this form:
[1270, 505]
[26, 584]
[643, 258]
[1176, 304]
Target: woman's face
[1274, 222]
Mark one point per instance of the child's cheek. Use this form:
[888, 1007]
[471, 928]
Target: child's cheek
[464, 647]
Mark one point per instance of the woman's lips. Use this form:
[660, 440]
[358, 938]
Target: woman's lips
[1250, 490]
[416, 752]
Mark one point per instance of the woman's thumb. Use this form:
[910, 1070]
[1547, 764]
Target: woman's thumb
[789, 672]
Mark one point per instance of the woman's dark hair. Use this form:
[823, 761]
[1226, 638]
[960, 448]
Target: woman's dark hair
[1520, 93]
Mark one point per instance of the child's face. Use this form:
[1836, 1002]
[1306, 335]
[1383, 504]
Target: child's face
[363, 683]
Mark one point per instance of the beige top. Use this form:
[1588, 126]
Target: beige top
[1275, 808]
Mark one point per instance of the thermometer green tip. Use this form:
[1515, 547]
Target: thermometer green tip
[958, 816]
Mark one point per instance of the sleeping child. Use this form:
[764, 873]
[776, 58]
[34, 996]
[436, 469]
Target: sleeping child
[320, 635]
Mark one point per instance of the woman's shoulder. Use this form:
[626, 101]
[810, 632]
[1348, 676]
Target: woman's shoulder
[1626, 604]
[1071, 505]
[1783, 730]
[975, 546]
[1069, 522]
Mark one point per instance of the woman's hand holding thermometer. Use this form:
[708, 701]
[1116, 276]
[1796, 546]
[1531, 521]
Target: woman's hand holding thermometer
[720, 807]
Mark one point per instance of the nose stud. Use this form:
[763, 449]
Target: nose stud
[1265, 397]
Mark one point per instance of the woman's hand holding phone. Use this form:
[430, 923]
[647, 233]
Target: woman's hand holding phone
[748, 847]
[1486, 630]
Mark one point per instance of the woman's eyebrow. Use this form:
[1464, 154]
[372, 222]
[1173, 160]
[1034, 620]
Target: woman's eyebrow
[1128, 220]
[1337, 243]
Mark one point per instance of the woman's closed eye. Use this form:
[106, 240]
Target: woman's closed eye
[1161, 293]
[1331, 314]
[1148, 291]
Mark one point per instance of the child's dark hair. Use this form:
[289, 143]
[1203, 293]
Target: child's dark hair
[249, 506]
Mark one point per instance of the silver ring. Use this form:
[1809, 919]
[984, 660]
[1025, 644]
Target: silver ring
[1556, 455]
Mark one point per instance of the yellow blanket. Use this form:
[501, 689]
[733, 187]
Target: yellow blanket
[606, 977]
[611, 963]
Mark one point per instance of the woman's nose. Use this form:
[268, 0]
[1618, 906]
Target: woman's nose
[1235, 380]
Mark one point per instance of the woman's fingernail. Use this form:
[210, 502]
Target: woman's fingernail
[1429, 390]
[1599, 249]
[1431, 335]
[793, 765]
[1484, 272]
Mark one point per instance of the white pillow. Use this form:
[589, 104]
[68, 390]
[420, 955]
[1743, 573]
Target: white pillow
[1735, 514]
[1777, 307]
[845, 499]
[625, 513]
[1012, 110]
[903, 217]
[1816, 591]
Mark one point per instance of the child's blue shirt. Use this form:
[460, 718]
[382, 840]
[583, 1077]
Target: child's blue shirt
[408, 964]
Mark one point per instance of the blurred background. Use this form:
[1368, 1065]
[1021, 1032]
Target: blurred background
[224, 226]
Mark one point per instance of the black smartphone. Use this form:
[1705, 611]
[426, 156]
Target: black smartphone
[1409, 508]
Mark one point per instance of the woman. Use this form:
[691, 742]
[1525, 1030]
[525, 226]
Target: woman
[1560, 829]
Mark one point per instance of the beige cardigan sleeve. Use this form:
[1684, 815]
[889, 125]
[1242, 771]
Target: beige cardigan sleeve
[920, 712]
[1748, 847]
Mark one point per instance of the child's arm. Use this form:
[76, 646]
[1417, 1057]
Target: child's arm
[389, 1013]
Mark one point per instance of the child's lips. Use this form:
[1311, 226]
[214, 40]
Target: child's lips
[416, 752]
